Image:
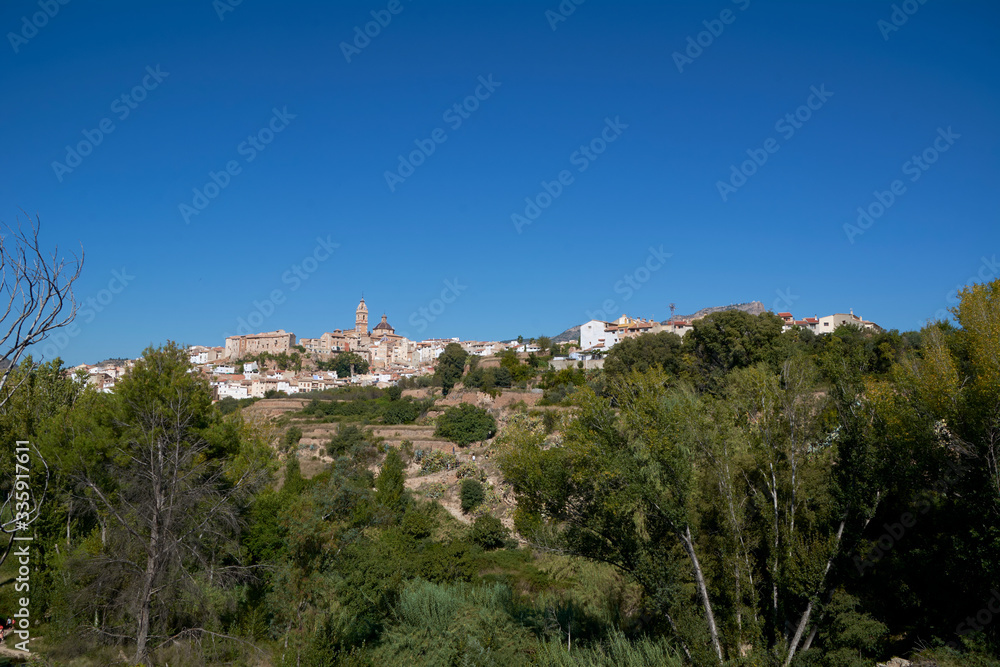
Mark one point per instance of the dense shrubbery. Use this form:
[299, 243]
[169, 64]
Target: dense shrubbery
[489, 533]
[751, 495]
[368, 404]
[471, 494]
[465, 424]
[743, 454]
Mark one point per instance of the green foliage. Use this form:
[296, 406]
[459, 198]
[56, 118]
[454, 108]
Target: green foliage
[465, 424]
[743, 478]
[664, 350]
[166, 479]
[229, 405]
[470, 470]
[850, 637]
[436, 461]
[367, 405]
[344, 363]
[291, 438]
[281, 360]
[434, 490]
[455, 625]
[487, 531]
[560, 385]
[389, 486]
[471, 494]
[723, 341]
[450, 366]
[519, 372]
[489, 380]
[353, 444]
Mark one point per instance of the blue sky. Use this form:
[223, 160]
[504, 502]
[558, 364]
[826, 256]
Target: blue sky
[621, 122]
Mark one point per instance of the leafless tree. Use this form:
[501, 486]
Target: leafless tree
[36, 293]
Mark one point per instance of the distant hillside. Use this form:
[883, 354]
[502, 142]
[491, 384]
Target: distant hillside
[752, 307]
[571, 335]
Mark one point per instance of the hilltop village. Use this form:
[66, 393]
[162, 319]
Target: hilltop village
[252, 365]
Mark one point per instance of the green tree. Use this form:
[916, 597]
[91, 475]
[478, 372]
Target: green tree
[465, 424]
[291, 438]
[389, 485]
[450, 366]
[471, 494]
[488, 532]
[519, 372]
[345, 362]
[168, 483]
[664, 350]
[544, 344]
[732, 339]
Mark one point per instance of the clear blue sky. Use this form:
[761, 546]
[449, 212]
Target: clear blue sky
[672, 130]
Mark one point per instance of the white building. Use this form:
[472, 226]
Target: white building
[830, 323]
[237, 390]
[594, 336]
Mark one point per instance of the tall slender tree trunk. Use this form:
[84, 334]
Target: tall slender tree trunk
[145, 600]
[804, 621]
[702, 590]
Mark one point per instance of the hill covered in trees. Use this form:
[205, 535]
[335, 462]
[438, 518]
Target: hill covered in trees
[742, 496]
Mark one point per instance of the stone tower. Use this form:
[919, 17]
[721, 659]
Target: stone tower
[361, 319]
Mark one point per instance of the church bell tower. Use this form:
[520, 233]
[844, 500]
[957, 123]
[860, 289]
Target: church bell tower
[361, 319]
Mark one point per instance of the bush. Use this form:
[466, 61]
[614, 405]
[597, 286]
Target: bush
[465, 424]
[406, 450]
[489, 533]
[400, 412]
[433, 490]
[472, 494]
[291, 438]
[470, 470]
[436, 461]
[417, 523]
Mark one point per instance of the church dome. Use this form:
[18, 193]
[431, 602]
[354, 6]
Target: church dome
[384, 325]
